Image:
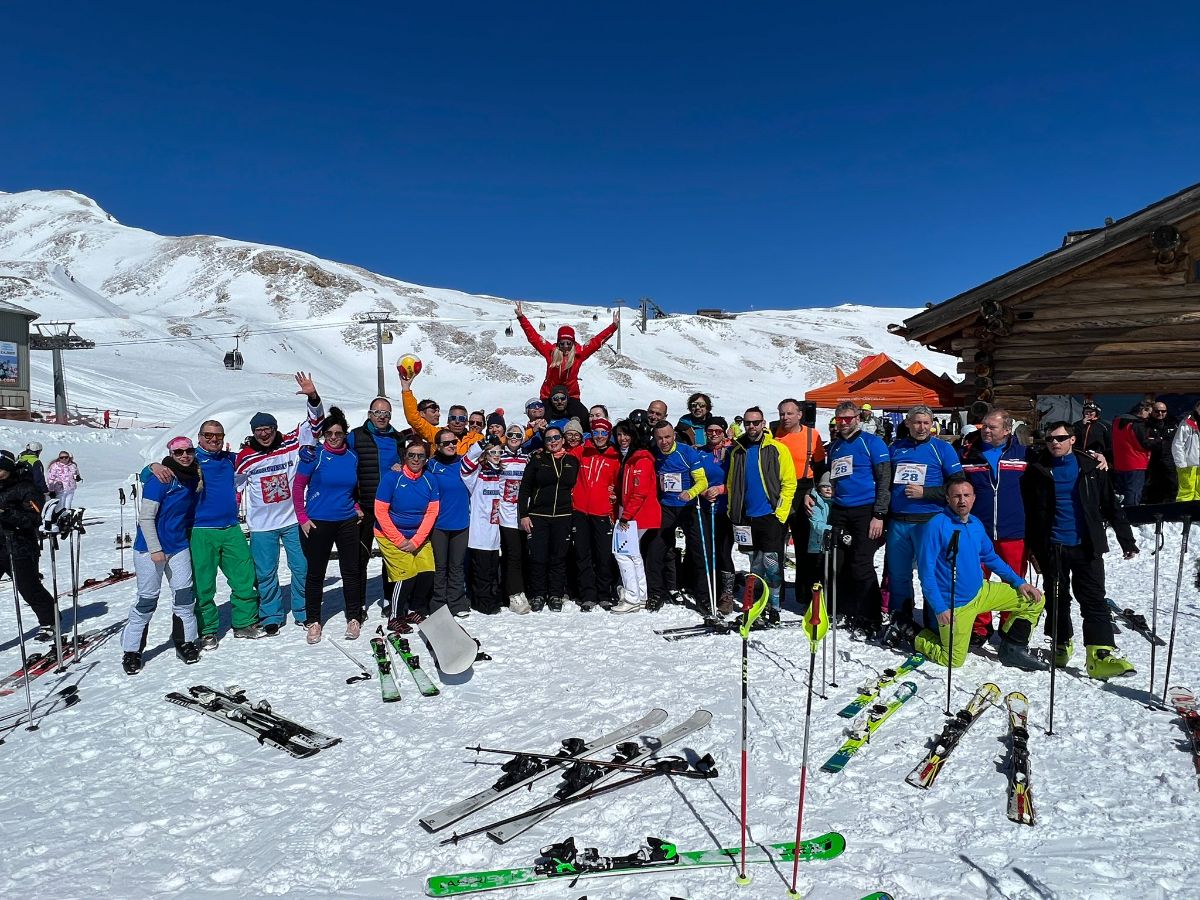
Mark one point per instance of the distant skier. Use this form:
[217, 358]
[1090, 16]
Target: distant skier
[32, 458]
[62, 477]
[564, 357]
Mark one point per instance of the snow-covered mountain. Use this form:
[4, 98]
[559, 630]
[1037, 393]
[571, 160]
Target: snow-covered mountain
[131, 291]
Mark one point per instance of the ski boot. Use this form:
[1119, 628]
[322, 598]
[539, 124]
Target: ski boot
[45, 634]
[586, 605]
[1063, 654]
[555, 604]
[1018, 656]
[771, 615]
[1103, 663]
[537, 604]
[188, 652]
[270, 630]
[249, 633]
[131, 662]
[208, 642]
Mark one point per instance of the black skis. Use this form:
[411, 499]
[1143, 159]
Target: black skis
[257, 720]
[1136, 622]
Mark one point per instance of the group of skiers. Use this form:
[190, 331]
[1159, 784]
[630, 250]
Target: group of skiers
[1155, 457]
[483, 514]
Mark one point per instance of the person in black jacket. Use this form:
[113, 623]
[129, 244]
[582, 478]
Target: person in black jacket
[544, 506]
[1068, 500]
[1162, 480]
[20, 517]
[1091, 433]
[378, 447]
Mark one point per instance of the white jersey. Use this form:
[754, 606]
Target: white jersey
[264, 479]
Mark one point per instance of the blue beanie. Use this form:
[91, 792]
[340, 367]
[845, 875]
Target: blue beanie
[262, 420]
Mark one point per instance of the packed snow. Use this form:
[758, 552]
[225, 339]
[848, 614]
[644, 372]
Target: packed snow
[126, 795]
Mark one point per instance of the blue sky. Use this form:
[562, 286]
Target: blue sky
[700, 154]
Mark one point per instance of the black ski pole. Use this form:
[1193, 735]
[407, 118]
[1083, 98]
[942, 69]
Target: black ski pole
[12, 576]
[121, 529]
[1187, 527]
[952, 553]
[1158, 546]
[835, 558]
[1054, 579]
[73, 546]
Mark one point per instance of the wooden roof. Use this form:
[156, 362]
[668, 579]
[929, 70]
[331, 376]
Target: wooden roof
[946, 317]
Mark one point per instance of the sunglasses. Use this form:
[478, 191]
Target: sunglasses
[477, 423]
[184, 452]
[1059, 438]
[599, 432]
[212, 435]
[516, 434]
[840, 419]
[414, 455]
[553, 437]
[749, 422]
[382, 413]
[330, 434]
[536, 406]
[456, 418]
[697, 403]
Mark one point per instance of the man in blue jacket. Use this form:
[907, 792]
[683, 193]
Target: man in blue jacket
[681, 479]
[922, 466]
[954, 548]
[861, 470]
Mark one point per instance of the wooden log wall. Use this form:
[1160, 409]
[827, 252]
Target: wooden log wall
[1122, 324]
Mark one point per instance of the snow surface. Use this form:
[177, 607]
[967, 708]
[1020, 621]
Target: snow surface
[125, 795]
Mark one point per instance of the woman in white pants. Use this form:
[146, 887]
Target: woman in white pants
[638, 516]
[165, 516]
[62, 477]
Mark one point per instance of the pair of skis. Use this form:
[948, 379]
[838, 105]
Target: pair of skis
[718, 626]
[582, 784]
[39, 664]
[869, 692]
[1020, 792]
[401, 650]
[1136, 622]
[869, 721]
[236, 710]
[563, 861]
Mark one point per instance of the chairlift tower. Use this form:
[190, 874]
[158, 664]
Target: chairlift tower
[379, 318]
[57, 337]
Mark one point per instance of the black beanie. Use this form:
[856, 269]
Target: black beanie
[495, 419]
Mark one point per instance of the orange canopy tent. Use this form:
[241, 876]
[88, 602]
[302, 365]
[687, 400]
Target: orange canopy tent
[880, 381]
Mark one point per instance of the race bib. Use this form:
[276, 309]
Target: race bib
[275, 488]
[741, 535]
[909, 473]
[843, 467]
[671, 482]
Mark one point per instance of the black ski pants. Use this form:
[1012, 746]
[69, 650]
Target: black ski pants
[1084, 576]
[858, 596]
[485, 581]
[366, 542]
[24, 571]
[548, 556]
[675, 518]
[411, 595]
[800, 527]
[449, 574]
[593, 556]
[512, 561]
[318, 544]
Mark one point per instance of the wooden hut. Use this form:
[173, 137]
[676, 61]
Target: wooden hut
[1114, 310]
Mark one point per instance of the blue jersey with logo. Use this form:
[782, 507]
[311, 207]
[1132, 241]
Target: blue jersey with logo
[851, 468]
[928, 463]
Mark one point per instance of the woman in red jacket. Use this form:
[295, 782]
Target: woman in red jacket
[638, 516]
[564, 357]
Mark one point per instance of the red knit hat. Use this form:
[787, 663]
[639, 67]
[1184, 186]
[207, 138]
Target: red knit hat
[566, 331]
[602, 424]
